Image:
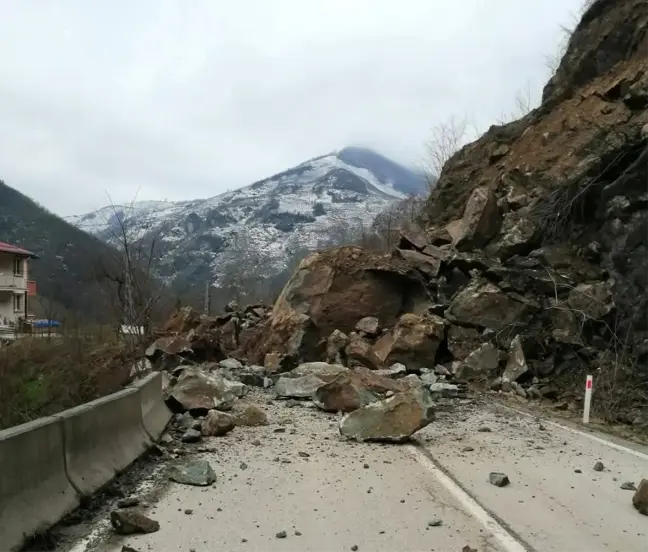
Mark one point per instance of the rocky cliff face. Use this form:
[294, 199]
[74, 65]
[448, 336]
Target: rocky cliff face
[532, 267]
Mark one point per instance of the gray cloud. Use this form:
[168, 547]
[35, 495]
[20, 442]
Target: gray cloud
[174, 100]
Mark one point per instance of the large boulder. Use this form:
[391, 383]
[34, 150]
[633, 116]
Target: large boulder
[301, 387]
[481, 220]
[479, 364]
[182, 321]
[332, 290]
[412, 236]
[462, 341]
[486, 305]
[413, 341]
[199, 390]
[516, 366]
[343, 394]
[640, 498]
[393, 419]
[592, 300]
[168, 345]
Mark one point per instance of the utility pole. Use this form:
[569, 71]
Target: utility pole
[207, 307]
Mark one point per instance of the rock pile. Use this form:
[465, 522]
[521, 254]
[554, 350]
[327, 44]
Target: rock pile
[531, 266]
[209, 398]
[189, 337]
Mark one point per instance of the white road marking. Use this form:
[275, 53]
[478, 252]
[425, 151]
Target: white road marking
[582, 433]
[508, 542]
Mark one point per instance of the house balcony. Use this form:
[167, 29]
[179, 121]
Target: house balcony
[18, 283]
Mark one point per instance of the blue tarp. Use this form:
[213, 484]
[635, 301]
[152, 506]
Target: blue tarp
[45, 323]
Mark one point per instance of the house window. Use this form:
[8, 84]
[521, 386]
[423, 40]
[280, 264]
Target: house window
[18, 266]
[19, 302]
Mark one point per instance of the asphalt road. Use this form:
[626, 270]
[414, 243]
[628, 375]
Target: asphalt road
[327, 494]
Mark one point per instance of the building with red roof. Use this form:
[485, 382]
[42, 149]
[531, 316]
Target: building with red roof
[15, 285]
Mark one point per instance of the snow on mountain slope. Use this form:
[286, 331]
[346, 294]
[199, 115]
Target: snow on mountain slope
[261, 227]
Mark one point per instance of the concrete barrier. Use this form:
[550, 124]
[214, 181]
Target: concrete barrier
[102, 438]
[155, 414]
[34, 490]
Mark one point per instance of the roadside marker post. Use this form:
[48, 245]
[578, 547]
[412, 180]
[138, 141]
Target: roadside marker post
[588, 399]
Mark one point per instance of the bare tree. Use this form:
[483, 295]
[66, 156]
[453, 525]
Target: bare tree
[447, 138]
[552, 61]
[524, 102]
[131, 273]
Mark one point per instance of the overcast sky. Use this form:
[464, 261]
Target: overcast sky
[182, 99]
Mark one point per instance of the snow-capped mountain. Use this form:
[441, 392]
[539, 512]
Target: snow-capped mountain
[261, 227]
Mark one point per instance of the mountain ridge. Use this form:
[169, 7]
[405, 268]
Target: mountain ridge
[317, 203]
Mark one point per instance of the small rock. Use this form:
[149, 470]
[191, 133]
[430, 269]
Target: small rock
[128, 522]
[243, 466]
[128, 502]
[194, 472]
[281, 535]
[298, 533]
[498, 479]
[368, 325]
[303, 454]
[354, 547]
[256, 442]
[496, 384]
[366, 466]
[599, 466]
[435, 523]
[395, 370]
[467, 449]
[445, 390]
[217, 423]
[578, 471]
[188, 511]
[251, 415]
[628, 486]
[230, 364]
[442, 371]
[165, 439]
[484, 429]
[468, 548]
[127, 548]
[640, 498]
[191, 436]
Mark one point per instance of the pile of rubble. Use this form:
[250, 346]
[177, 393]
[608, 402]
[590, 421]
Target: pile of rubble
[382, 402]
[530, 268]
[191, 337]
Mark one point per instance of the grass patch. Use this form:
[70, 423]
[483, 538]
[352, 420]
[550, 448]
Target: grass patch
[41, 376]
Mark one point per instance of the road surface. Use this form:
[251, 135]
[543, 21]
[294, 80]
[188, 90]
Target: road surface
[299, 477]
